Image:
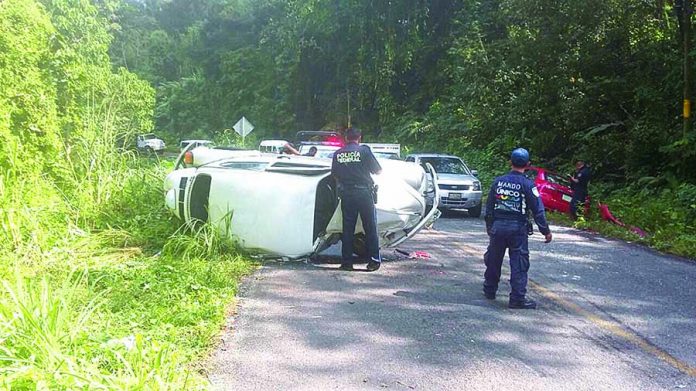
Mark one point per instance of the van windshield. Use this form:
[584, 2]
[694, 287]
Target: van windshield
[446, 165]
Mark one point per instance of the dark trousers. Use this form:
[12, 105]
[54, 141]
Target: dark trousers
[577, 200]
[507, 235]
[354, 202]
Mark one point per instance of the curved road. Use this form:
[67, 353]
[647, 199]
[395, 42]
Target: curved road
[613, 316]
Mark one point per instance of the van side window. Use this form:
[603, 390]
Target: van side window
[410, 159]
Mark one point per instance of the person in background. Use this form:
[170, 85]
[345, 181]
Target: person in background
[578, 183]
[506, 224]
[288, 149]
[352, 167]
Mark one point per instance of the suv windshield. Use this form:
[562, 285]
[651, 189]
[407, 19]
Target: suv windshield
[386, 155]
[446, 165]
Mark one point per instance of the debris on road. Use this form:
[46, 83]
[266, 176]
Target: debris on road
[415, 254]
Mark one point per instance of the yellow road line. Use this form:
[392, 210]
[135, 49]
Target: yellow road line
[617, 330]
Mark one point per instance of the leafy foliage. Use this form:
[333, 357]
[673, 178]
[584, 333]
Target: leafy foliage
[73, 199]
[62, 110]
[595, 79]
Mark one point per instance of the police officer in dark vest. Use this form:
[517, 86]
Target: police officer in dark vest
[579, 184]
[352, 166]
[509, 199]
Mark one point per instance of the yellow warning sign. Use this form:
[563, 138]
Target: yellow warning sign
[687, 108]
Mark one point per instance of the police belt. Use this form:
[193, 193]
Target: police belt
[510, 217]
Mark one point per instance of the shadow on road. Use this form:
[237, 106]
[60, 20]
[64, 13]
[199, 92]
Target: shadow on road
[425, 323]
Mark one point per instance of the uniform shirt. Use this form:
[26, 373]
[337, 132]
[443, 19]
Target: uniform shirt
[510, 197]
[353, 164]
[583, 177]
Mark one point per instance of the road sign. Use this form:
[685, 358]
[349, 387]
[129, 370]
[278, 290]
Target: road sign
[243, 127]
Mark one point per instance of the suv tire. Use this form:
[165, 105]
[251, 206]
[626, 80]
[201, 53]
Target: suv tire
[475, 211]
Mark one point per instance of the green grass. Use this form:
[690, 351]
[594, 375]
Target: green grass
[673, 239]
[117, 296]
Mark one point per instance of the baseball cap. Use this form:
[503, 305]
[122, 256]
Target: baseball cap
[519, 157]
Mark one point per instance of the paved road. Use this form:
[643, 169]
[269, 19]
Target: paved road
[612, 316]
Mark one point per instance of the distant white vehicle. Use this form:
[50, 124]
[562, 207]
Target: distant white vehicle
[197, 143]
[385, 151]
[288, 205]
[272, 146]
[149, 143]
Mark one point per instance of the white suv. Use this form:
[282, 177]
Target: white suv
[459, 187]
[149, 143]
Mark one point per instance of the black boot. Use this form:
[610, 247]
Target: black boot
[489, 295]
[373, 265]
[524, 304]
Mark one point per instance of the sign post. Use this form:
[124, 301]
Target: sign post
[243, 127]
[684, 10]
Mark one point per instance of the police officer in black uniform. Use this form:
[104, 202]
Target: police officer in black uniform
[352, 166]
[506, 223]
[578, 183]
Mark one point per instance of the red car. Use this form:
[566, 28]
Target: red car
[554, 189]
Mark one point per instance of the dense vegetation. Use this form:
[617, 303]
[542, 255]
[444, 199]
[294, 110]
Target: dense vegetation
[598, 80]
[100, 289]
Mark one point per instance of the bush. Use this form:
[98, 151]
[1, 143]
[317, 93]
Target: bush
[666, 215]
[155, 298]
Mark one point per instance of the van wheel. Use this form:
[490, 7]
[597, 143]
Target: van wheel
[475, 211]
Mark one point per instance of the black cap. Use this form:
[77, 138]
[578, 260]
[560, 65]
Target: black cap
[353, 133]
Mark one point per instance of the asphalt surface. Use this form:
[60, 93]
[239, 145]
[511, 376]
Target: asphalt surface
[612, 316]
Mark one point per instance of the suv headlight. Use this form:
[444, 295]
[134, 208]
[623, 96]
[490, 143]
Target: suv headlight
[428, 184]
[477, 186]
[429, 188]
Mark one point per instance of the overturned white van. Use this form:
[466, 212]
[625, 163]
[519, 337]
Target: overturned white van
[288, 205]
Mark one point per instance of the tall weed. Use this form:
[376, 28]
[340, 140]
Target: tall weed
[197, 240]
[46, 343]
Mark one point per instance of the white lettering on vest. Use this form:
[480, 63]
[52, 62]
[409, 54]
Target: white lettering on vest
[348, 157]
